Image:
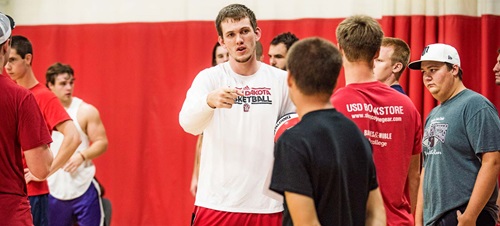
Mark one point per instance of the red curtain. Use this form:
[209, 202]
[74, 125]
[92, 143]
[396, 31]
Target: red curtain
[137, 75]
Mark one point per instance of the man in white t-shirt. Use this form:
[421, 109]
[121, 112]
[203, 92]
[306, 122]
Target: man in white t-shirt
[236, 105]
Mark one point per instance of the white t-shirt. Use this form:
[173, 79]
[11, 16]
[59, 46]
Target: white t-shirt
[237, 149]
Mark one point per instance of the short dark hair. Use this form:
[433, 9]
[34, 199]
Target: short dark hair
[360, 38]
[450, 66]
[314, 64]
[258, 49]
[286, 38]
[235, 12]
[214, 54]
[22, 46]
[56, 69]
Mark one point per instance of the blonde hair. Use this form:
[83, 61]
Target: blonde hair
[360, 38]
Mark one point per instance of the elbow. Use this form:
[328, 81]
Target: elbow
[73, 138]
[77, 140]
[104, 146]
[187, 127]
[44, 171]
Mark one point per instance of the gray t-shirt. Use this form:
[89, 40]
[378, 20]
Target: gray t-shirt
[456, 132]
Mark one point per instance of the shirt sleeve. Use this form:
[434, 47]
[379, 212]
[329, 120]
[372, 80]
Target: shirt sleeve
[32, 129]
[483, 129]
[291, 170]
[55, 113]
[195, 113]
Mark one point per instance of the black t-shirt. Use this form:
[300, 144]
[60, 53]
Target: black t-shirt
[326, 157]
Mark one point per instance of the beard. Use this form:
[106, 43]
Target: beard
[243, 60]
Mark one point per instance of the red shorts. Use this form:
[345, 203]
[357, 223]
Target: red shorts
[209, 217]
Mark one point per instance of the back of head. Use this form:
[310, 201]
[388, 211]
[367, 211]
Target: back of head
[22, 46]
[314, 64]
[235, 12]
[360, 38]
[57, 69]
[286, 38]
[401, 52]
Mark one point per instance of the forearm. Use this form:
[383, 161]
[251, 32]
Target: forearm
[68, 147]
[197, 155]
[39, 160]
[414, 180]
[96, 149]
[483, 188]
[302, 209]
[195, 114]
[419, 208]
[377, 218]
[375, 210]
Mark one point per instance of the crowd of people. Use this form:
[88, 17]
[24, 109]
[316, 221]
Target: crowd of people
[359, 156]
[48, 140]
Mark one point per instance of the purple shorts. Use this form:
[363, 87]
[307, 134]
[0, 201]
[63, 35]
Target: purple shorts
[86, 210]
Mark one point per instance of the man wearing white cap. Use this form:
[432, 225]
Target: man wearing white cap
[460, 144]
[22, 131]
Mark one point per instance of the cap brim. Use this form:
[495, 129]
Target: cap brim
[415, 65]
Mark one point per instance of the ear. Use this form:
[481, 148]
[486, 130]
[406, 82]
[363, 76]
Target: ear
[376, 54]
[455, 70]
[397, 67]
[221, 41]
[258, 33]
[28, 58]
[290, 81]
[50, 86]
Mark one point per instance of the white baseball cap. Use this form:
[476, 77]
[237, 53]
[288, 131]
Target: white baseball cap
[6, 26]
[437, 52]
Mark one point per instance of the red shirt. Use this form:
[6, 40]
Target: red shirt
[21, 128]
[393, 125]
[54, 113]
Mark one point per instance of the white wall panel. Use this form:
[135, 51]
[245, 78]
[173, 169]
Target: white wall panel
[36, 12]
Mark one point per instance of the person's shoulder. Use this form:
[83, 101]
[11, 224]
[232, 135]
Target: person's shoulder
[9, 86]
[213, 71]
[272, 70]
[472, 95]
[41, 91]
[474, 100]
[87, 110]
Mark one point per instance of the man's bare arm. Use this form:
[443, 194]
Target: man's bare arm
[414, 180]
[70, 143]
[92, 125]
[419, 209]
[39, 160]
[302, 209]
[375, 210]
[483, 188]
